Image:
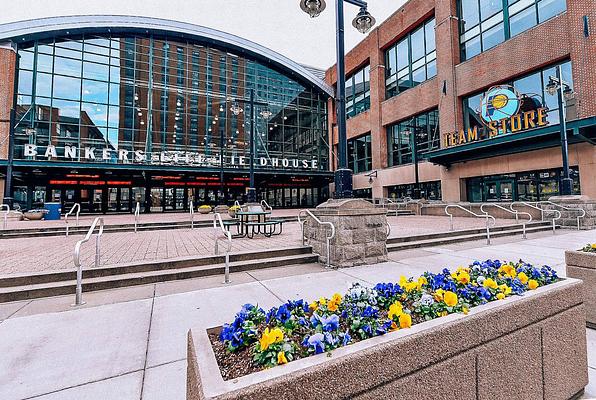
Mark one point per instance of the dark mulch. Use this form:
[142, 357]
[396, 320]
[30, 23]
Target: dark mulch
[232, 365]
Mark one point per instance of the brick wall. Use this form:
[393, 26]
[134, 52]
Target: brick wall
[7, 71]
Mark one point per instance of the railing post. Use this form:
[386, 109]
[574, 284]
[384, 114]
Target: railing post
[451, 222]
[227, 268]
[79, 290]
[487, 232]
[524, 230]
[328, 252]
[97, 252]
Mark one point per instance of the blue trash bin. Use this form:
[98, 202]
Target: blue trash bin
[54, 210]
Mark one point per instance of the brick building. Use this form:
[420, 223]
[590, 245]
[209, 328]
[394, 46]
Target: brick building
[414, 90]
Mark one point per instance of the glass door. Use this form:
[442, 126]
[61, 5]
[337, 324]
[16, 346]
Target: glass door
[97, 200]
[86, 201]
[490, 191]
[169, 199]
[180, 199]
[112, 199]
[138, 195]
[156, 199]
[124, 203]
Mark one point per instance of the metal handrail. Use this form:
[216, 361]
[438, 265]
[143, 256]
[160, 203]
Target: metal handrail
[509, 211]
[328, 238]
[78, 207]
[542, 210]
[487, 216]
[137, 214]
[77, 257]
[218, 221]
[582, 215]
[191, 207]
[266, 206]
[6, 212]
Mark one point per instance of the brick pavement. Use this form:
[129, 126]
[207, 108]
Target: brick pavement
[46, 254]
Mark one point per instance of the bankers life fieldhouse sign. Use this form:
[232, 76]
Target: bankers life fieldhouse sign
[182, 158]
[501, 112]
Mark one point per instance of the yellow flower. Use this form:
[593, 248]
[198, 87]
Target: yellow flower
[593, 245]
[393, 327]
[439, 295]
[322, 301]
[281, 358]
[411, 286]
[405, 321]
[532, 284]
[336, 298]
[465, 310]
[395, 309]
[463, 277]
[523, 278]
[269, 337]
[490, 283]
[450, 298]
[500, 296]
[332, 306]
[444, 314]
[313, 306]
[508, 269]
[421, 281]
[402, 281]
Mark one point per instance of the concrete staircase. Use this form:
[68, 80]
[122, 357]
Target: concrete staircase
[82, 229]
[30, 286]
[466, 235]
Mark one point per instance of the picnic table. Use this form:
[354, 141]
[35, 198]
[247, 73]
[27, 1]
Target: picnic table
[251, 223]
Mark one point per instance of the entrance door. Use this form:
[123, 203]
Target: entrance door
[97, 200]
[86, 200]
[169, 203]
[124, 199]
[499, 190]
[156, 199]
[112, 199]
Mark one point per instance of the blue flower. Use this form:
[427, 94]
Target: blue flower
[367, 329]
[316, 342]
[370, 312]
[283, 314]
[330, 323]
[346, 339]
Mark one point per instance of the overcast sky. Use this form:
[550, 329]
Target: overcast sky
[277, 24]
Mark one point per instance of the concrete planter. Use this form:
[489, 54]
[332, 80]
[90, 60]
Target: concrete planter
[530, 347]
[582, 265]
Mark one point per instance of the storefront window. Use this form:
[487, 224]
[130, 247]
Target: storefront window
[424, 128]
[484, 24]
[532, 88]
[428, 190]
[360, 154]
[412, 60]
[358, 92]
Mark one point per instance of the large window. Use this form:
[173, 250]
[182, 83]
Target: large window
[412, 60]
[360, 154]
[428, 190]
[486, 23]
[420, 133]
[358, 92]
[534, 87]
[153, 94]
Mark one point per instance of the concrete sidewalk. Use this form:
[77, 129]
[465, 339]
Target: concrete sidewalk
[131, 343]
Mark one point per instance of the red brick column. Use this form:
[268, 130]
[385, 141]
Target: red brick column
[583, 54]
[7, 72]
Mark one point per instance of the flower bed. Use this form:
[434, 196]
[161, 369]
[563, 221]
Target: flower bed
[589, 248]
[259, 339]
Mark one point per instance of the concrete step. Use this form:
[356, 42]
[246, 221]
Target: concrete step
[63, 287]
[458, 237]
[149, 265]
[399, 213]
[82, 230]
[471, 231]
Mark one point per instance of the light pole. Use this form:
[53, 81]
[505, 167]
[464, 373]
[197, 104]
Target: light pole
[363, 22]
[236, 110]
[564, 91]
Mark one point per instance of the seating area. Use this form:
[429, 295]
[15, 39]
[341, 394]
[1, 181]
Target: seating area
[251, 220]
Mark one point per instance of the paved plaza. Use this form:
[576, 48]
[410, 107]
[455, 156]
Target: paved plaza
[53, 253]
[131, 343]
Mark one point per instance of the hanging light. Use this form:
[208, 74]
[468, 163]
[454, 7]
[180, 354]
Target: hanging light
[552, 87]
[313, 7]
[221, 109]
[236, 109]
[266, 113]
[568, 92]
[363, 21]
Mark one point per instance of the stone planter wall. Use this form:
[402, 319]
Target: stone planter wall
[582, 265]
[569, 218]
[528, 347]
[439, 210]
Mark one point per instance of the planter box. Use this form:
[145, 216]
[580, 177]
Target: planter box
[582, 265]
[529, 347]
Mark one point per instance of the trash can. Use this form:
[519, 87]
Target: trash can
[54, 210]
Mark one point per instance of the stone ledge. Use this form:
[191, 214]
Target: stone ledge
[582, 265]
[481, 347]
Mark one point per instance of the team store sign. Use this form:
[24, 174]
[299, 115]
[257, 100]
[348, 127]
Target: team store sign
[183, 158]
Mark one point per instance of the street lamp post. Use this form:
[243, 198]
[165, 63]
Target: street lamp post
[363, 22]
[563, 89]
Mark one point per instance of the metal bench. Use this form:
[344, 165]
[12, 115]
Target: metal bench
[267, 228]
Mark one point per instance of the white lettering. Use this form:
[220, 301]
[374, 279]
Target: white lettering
[263, 161]
[304, 163]
[241, 160]
[285, 163]
[295, 163]
[30, 150]
[123, 155]
[314, 164]
[70, 151]
[275, 162]
[139, 156]
[105, 154]
[90, 153]
[51, 151]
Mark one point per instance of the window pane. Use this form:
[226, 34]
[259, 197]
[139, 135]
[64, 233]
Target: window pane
[431, 69]
[95, 92]
[391, 62]
[95, 71]
[489, 8]
[419, 76]
[429, 32]
[549, 8]
[472, 47]
[25, 60]
[470, 13]
[67, 109]
[529, 85]
[67, 87]
[25, 82]
[43, 85]
[45, 62]
[67, 66]
[417, 41]
[402, 54]
[493, 37]
[523, 20]
[94, 114]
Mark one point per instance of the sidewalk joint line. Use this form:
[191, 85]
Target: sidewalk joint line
[19, 309]
[266, 288]
[147, 347]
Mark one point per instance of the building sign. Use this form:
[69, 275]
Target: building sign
[180, 158]
[502, 111]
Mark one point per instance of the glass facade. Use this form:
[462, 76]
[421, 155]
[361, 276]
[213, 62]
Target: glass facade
[534, 87]
[358, 92]
[523, 186]
[157, 100]
[419, 135]
[360, 154]
[412, 60]
[486, 23]
[428, 190]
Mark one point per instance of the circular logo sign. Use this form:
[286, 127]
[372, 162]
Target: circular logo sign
[499, 102]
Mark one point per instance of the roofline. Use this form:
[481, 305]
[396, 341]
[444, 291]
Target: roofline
[27, 30]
